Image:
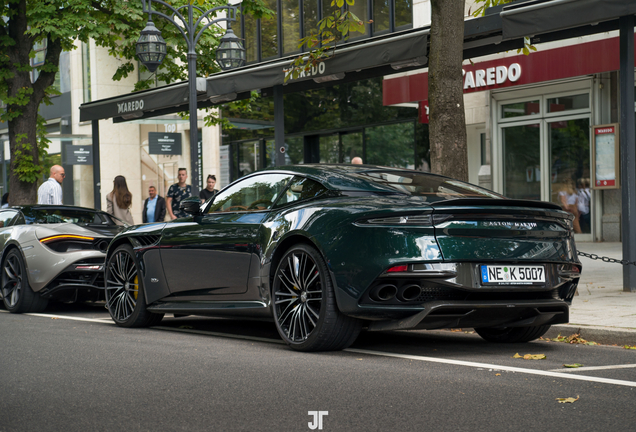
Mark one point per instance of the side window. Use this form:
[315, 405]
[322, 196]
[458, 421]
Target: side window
[252, 194]
[6, 218]
[301, 189]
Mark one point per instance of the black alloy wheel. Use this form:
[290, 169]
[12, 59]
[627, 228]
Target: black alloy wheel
[125, 299]
[304, 304]
[17, 295]
[512, 334]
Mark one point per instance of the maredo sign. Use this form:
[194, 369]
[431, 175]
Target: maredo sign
[491, 76]
[544, 65]
[479, 78]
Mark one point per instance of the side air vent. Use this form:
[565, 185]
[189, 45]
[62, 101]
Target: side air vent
[147, 240]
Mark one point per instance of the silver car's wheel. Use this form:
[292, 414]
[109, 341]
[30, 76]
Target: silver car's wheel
[17, 294]
[304, 305]
[124, 291]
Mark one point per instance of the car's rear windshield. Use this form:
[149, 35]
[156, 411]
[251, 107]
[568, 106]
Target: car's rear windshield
[55, 216]
[430, 187]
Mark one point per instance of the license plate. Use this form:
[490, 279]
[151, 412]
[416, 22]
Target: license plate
[512, 274]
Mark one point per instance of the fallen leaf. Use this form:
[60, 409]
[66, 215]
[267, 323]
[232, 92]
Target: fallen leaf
[54, 318]
[573, 339]
[456, 330]
[534, 357]
[630, 347]
[497, 374]
[573, 365]
[517, 356]
[568, 400]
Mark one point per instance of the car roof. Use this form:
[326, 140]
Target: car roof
[343, 176]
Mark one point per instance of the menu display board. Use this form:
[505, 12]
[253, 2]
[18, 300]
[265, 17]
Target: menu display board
[605, 155]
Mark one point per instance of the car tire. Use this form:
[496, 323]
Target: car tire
[17, 295]
[512, 334]
[304, 304]
[125, 299]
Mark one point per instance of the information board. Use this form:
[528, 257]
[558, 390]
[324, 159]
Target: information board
[605, 155]
[78, 155]
[164, 143]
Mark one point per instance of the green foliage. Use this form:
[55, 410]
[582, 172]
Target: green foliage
[481, 11]
[112, 24]
[322, 44]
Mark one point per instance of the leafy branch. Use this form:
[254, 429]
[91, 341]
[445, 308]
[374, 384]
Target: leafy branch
[322, 44]
[481, 11]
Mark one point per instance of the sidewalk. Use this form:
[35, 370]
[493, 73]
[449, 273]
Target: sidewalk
[601, 312]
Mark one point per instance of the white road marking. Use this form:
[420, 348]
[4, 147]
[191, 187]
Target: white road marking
[590, 368]
[497, 367]
[550, 373]
[225, 335]
[98, 320]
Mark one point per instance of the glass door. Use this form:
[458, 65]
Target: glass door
[569, 185]
[522, 161]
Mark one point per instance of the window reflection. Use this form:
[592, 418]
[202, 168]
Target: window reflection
[381, 16]
[403, 14]
[269, 37]
[521, 148]
[291, 25]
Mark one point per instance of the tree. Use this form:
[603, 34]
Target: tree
[58, 24]
[447, 121]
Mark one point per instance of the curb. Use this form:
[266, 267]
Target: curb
[601, 335]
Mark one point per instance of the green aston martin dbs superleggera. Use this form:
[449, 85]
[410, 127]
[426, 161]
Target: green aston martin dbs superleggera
[325, 250]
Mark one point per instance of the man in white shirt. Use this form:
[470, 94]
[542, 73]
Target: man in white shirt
[51, 190]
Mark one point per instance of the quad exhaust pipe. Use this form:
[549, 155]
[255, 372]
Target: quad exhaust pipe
[386, 292]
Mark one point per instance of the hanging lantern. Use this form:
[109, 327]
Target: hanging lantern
[230, 54]
[151, 48]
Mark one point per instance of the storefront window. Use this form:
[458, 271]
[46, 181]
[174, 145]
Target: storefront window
[251, 42]
[248, 158]
[381, 16]
[403, 14]
[359, 9]
[291, 25]
[521, 153]
[570, 176]
[269, 33]
[568, 103]
[520, 109]
[329, 149]
[310, 17]
[86, 72]
[391, 145]
[351, 146]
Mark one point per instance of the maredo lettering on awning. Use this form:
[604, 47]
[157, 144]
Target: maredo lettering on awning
[543, 65]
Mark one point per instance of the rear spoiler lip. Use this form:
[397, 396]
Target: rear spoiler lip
[470, 202]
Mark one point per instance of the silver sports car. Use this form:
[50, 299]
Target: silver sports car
[52, 252]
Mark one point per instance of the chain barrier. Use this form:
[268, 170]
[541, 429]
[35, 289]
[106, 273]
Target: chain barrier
[606, 259]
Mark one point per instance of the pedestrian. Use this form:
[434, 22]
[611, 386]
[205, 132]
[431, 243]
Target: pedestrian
[154, 207]
[568, 199]
[118, 202]
[209, 190]
[50, 192]
[356, 160]
[583, 203]
[177, 193]
[5, 200]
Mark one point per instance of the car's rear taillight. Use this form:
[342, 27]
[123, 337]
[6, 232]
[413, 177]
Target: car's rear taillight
[70, 243]
[62, 237]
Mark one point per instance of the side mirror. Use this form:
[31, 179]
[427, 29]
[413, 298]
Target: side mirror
[191, 205]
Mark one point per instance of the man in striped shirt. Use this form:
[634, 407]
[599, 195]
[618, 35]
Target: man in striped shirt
[51, 190]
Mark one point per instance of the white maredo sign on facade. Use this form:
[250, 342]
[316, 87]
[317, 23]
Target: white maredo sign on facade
[491, 76]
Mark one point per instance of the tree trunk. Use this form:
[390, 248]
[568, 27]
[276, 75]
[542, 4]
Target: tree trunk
[447, 121]
[23, 127]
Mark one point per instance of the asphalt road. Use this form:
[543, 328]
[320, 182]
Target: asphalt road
[71, 369]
